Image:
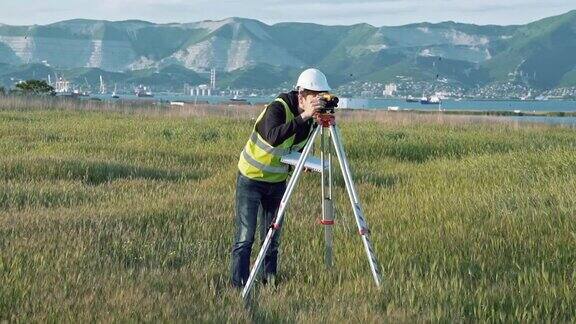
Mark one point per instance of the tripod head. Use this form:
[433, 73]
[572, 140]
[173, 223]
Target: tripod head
[325, 115]
[325, 119]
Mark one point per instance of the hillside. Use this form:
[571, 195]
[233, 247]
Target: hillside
[539, 53]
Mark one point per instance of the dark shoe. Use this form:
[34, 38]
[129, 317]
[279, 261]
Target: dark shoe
[236, 286]
[270, 279]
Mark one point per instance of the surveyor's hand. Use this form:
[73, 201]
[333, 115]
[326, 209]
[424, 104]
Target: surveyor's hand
[311, 107]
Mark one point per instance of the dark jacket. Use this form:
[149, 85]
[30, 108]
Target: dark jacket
[273, 127]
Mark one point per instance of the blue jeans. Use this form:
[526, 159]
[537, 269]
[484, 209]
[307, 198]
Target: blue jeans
[254, 200]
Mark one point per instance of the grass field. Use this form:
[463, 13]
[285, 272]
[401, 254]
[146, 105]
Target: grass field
[129, 217]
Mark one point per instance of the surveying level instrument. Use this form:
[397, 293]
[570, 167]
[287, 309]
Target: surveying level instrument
[325, 125]
[329, 102]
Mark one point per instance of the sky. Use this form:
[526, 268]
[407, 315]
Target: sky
[327, 12]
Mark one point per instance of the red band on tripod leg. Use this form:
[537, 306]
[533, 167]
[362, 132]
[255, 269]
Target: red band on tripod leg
[326, 222]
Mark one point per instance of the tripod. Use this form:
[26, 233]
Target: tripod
[327, 123]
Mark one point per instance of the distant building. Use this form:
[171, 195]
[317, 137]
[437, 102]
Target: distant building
[390, 90]
[347, 103]
[201, 90]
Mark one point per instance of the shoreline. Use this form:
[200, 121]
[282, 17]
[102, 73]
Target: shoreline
[150, 107]
[504, 113]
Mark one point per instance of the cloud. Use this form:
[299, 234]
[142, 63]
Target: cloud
[341, 12]
[395, 12]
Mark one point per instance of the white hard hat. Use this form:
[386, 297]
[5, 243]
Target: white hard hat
[313, 79]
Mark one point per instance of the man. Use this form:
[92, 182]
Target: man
[283, 126]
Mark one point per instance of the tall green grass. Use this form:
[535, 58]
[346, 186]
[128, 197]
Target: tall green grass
[129, 216]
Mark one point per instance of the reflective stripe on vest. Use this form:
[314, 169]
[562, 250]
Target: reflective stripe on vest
[260, 160]
[255, 138]
[281, 169]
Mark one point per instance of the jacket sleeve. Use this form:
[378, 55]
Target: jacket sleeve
[273, 127]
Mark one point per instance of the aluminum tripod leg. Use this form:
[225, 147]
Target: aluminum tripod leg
[327, 205]
[278, 220]
[357, 209]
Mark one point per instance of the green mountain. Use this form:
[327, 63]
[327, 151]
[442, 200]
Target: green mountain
[249, 53]
[543, 53]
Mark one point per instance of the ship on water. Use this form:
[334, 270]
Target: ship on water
[430, 100]
[65, 88]
[237, 98]
[236, 101]
[412, 99]
[143, 92]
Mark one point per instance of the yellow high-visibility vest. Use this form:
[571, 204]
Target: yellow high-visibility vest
[261, 161]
